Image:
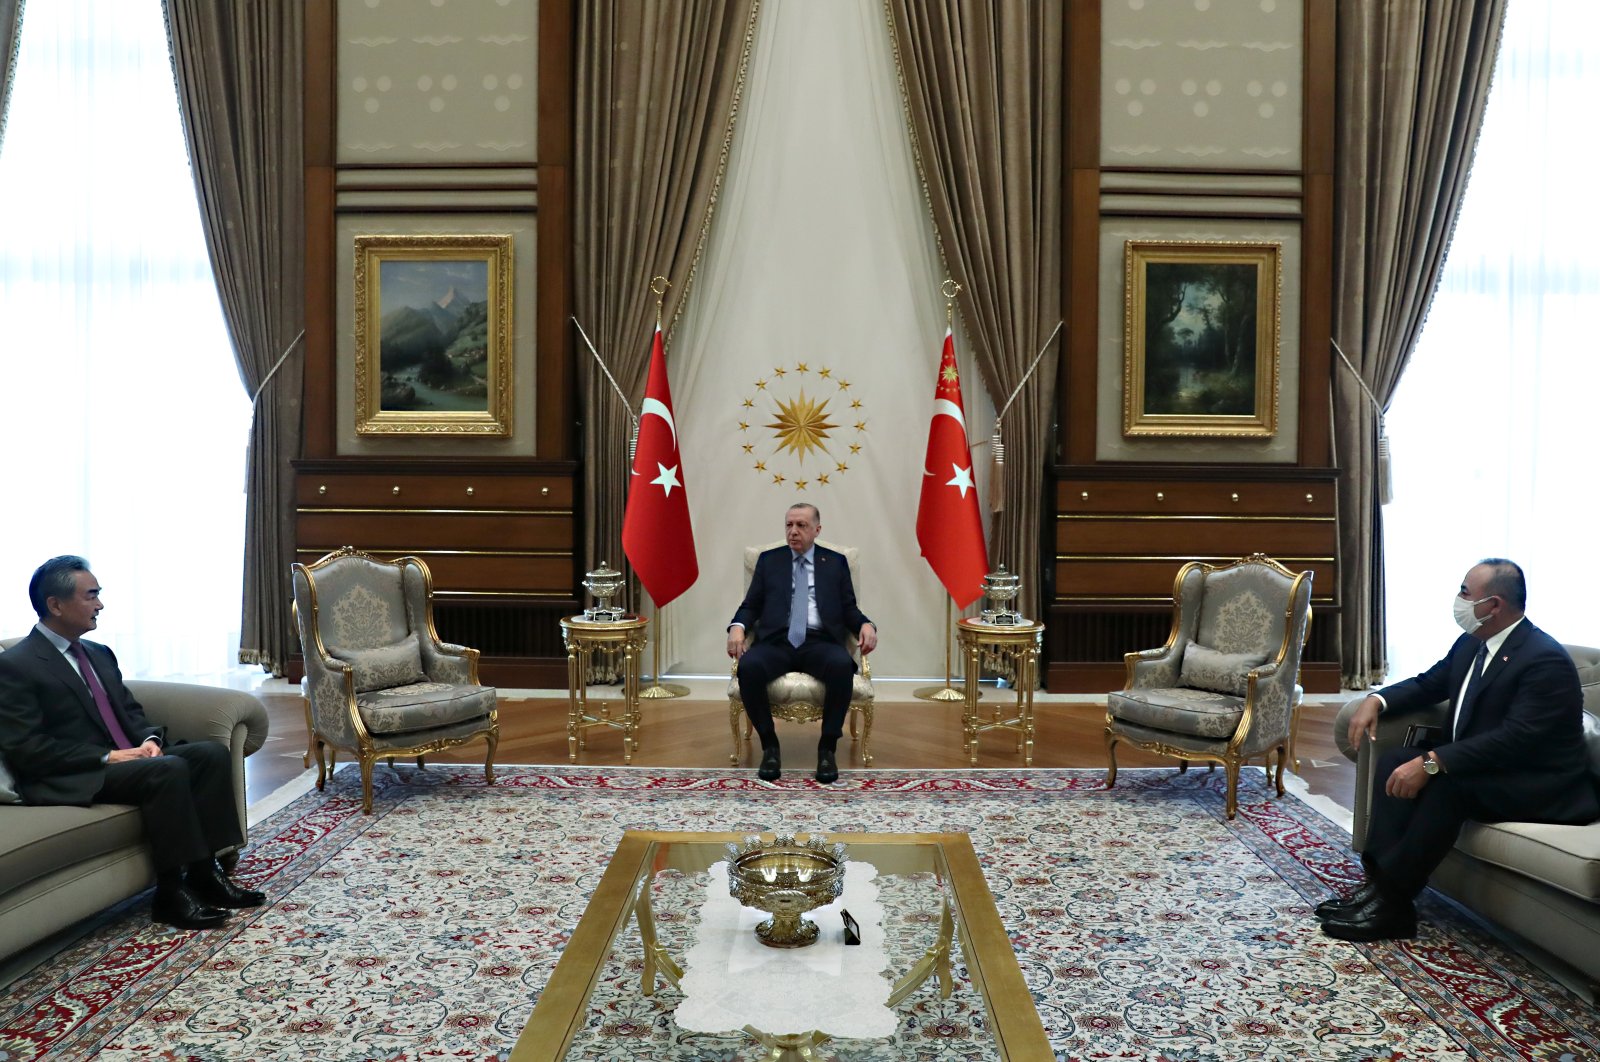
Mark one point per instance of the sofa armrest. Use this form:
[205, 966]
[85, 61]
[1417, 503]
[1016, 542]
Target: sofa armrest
[191, 712]
[1392, 728]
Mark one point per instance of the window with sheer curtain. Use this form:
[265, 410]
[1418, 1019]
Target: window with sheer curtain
[1492, 426]
[122, 417]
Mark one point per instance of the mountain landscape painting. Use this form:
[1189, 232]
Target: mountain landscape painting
[433, 343]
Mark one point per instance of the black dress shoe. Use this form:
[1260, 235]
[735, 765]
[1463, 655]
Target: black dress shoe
[183, 909]
[213, 887]
[1378, 919]
[1343, 905]
[771, 766]
[827, 767]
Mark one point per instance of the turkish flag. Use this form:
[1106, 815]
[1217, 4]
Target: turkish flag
[949, 526]
[656, 534]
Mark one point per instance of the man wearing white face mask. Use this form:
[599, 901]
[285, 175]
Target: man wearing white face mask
[1512, 750]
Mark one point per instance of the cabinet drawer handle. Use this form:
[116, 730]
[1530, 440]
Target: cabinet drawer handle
[1085, 495]
[544, 490]
[395, 490]
[469, 492]
[1160, 496]
[323, 489]
[1235, 497]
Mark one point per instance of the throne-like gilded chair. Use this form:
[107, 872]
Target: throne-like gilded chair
[379, 682]
[797, 696]
[1225, 687]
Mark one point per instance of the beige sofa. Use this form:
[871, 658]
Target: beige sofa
[1539, 881]
[59, 865]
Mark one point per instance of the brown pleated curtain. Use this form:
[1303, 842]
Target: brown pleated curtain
[1413, 80]
[983, 84]
[238, 67]
[657, 94]
[10, 38]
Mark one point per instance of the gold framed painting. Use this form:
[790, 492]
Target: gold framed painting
[433, 335]
[1201, 333]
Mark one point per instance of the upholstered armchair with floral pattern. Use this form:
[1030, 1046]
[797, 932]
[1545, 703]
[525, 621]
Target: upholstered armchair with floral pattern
[379, 682]
[796, 696]
[1225, 686]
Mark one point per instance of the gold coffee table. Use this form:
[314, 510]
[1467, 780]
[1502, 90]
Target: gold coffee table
[941, 867]
[583, 638]
[1021, 643]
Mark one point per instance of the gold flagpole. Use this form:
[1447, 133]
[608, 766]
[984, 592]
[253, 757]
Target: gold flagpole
[950, 289]
[659, 690]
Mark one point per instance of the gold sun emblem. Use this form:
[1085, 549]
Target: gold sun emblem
[802, 425]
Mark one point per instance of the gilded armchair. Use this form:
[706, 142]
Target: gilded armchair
[1224, 687]
[379, 682]
[796, 696]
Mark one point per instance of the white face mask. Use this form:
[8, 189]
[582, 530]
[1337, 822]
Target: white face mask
[1463, 613]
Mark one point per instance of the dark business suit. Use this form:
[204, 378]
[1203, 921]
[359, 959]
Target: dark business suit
[1518, 756]
[54, 741]
[765, 614]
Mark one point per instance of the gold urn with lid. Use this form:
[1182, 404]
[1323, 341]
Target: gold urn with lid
[604, 583]
[786, 877]
[1001, 588]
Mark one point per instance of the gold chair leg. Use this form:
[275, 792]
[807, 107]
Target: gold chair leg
[488, 758]
[1111, 758]
[322, 771]
[867, 711]
[1284, 757]
[735, 710]
[367, 762]
[311, 734]
[421, 763]
[1231, 773]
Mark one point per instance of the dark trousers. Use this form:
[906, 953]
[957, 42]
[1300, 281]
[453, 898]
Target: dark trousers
[185, 796]
[819, 656]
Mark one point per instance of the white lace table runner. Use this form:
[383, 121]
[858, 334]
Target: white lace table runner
[732, 980]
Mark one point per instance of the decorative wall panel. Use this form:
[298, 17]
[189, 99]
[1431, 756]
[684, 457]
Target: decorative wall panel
[1213, 84]
[425, 81]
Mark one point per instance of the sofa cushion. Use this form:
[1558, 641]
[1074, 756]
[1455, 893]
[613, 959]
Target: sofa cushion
[1208, 669]
[798, 686]
[1566, 857]
[1201, 713]
[399, 664]
[1591, 737]
[423, 706]
[38, 840]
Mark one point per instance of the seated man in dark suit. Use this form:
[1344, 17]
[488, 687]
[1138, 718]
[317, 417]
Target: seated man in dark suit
[1513, 751]
[73, 734]
[802, 606]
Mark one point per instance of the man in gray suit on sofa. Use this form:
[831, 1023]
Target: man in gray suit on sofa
[73, 734]
[1513, 750]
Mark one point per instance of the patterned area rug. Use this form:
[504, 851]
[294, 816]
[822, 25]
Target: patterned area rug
[1147, 926]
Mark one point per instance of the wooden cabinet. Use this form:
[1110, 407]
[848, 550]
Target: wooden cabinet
[1121, 534]
[501, 541]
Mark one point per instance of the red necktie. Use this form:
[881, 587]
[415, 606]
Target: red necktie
[101, 701]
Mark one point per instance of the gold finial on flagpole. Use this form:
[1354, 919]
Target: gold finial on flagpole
[950, 289]
[659, 285]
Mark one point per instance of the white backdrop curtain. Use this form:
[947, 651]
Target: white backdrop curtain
[821, 254]
[122, 416]
[1492, 427]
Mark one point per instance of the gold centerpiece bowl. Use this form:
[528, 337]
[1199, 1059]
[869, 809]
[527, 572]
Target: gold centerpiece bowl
[786, 877]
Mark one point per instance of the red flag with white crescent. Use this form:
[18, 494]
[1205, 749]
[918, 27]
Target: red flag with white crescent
[949, 525]
[656, 533]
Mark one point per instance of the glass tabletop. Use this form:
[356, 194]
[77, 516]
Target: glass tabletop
[956, 990]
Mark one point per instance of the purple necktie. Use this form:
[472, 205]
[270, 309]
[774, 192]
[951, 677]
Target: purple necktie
[101, 701]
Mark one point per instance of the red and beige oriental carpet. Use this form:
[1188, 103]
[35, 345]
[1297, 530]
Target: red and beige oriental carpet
[1147, 927]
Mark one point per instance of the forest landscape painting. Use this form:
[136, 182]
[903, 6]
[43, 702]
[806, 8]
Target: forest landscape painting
[1201, 339]
[433, 321]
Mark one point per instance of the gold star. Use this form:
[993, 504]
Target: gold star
[777, 478]
[749, 448]
[799, 484]
[761, 385]
[744, 425]
[823, 479]
[802, 426]
[749, 403]
[761, 466]
[840, 466]
[948, 374]
[824, 373]
[802, 367]
[861, 425]
[855, 448]
[855, 403]
[844, 385]
[780, 371]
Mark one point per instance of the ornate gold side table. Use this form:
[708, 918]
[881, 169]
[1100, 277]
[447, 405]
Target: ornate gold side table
[1021, 643]
[583, 638]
